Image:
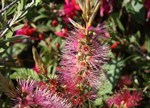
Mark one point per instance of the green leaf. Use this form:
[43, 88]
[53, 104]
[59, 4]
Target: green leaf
[136, 5]
[18, 27]
[40, 17]
[116, 18]
[24, 73]
[21, 4]
[147, 43]
[121, 27]
[105, 88]
[37, 2]
[3, 3]
[13, 39]
[113, 69]
[125, 2]
[38, 61]
[135, 38]
[16, 49]
[11, 10]
[43, 28]
[98, 101]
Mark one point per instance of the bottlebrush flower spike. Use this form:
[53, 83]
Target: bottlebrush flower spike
[32, 94]
[45, 99]
[82, 61]
[27, 85]
[81, 70]
[126, 98]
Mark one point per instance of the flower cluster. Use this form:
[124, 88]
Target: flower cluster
[63, 33]
[82, 61]
[73, 60]
[33, 94]
[125, 98]
[70, 9]
[32, 33]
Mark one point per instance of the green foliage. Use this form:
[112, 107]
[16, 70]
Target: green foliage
[24, 73]
[16, 12]
[127, 25]
[113, 70]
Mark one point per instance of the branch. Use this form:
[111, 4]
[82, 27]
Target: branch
[8, 6]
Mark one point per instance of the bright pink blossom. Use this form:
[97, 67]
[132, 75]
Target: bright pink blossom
[25, 93]
[33, 94]
[25, 30]
[27, 85]
[63, 33]
[83, 62]
[70, 9]
[30, 32]
[100, 30]
[126, 98]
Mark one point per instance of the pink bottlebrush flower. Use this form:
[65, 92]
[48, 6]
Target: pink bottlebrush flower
[48, 100]
[42, 84]
[27, 85]
[82, 62]
[100, 30]
[106, 7]
[126, 98]
[124, 80]
[70, 9]
[53, 85]
[25, 92]
[62, 33]
[33, 94]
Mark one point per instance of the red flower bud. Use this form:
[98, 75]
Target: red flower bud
[54, 23]
[114, 45]
[57, 45]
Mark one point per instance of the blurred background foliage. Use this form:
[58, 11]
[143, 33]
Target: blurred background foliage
[127, 24]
